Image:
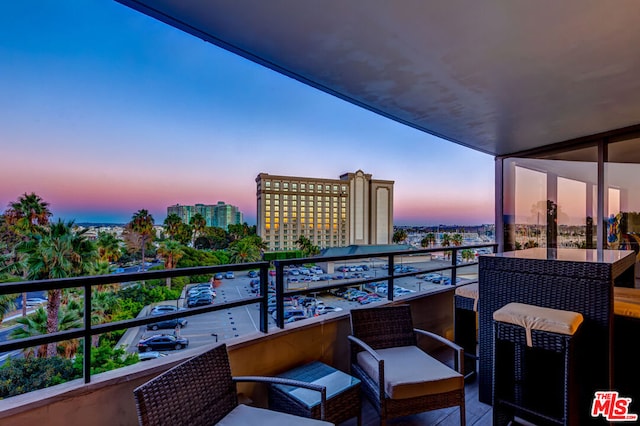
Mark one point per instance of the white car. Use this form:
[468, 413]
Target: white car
[34, 301]
[322, 309]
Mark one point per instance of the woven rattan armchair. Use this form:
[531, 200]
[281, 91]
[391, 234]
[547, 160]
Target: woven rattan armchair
[397, 377]
[201, 391]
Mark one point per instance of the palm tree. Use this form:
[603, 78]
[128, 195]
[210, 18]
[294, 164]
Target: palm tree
[244, 251]
[468, 255]
[184, 233]
[457, 240]
[142, 224]
[26, 217]
[6, 304]
[399, 236]
[58, 252]
[424, 243]
[36, 324]
[171, 252]
[446, 242]
[198, 223]
[108, 247]
[308, 249]
[172, 225]
[28, 213]
[431, 238]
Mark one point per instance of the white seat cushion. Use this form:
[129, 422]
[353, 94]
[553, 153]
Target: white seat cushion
[532, 317]
[244, 415]
[469, 291]
[409, 372]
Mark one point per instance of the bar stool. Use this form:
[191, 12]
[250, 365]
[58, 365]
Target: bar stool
[466, 326]
[533, 366]
[626, 329]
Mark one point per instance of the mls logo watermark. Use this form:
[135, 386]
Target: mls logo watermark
[612, 407]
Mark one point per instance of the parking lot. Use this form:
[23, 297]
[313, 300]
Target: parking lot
[240, 321]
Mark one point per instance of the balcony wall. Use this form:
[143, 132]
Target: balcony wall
[108, 399]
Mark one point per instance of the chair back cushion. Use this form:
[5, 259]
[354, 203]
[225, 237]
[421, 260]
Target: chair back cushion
[199, 391]
[384, 327]
[411, 373]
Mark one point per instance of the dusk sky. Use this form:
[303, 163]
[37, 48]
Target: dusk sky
[106, 111]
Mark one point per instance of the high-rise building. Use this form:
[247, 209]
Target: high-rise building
[221, 215]
[184, 212]
[354, 209]
[225, 215]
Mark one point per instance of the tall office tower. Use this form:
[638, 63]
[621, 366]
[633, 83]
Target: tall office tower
[184, 212]
[221, 215]
[354, 209]
[225, 215]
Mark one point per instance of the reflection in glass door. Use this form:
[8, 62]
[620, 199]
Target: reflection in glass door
[549, 203]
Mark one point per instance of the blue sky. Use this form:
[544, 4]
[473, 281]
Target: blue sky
[106, 111]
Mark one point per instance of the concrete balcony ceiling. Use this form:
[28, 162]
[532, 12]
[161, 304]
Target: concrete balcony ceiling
[498, 76]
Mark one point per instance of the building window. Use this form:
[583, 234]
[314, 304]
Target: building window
[285, 186]
[276, 185]
[310, 187]
[335, 188]
[294, 186]
[267, 184]
[303, 187]
[319, 188]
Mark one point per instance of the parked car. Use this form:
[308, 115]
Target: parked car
[202, 300]
[145, 356]
[294, 319]
[162, 342]
[218, 276]
[369, 299]
[163, 309]
[288, 313]
[172, 323]
[202, 292]
[229, 275]
[252, 274]
[272, 273]
[353, 296]
[34, 301]
[322, 309]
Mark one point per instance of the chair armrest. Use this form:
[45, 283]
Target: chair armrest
[376, 356]
[459, 351]
[366, 347]
[289, 382]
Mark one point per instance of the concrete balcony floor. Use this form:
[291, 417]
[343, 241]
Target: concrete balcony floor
[477, 413]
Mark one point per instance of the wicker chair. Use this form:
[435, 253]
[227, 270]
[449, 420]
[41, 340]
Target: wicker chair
[201, 391]
[397, 377]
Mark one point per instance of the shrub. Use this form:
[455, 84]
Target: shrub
[18, 376]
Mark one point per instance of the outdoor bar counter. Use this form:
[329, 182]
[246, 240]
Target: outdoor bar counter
[568, 279]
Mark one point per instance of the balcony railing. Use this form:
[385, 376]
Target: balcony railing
[87, 283]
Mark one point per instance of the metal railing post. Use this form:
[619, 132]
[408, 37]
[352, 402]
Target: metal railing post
[390, 272]
[279, 294]
[264, 297]
[87, 333]
[454, 263]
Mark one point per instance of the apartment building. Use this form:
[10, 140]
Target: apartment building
[220, 215]
[354, 209]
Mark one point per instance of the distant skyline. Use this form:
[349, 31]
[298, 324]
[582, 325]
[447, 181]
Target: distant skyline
[106, 111]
